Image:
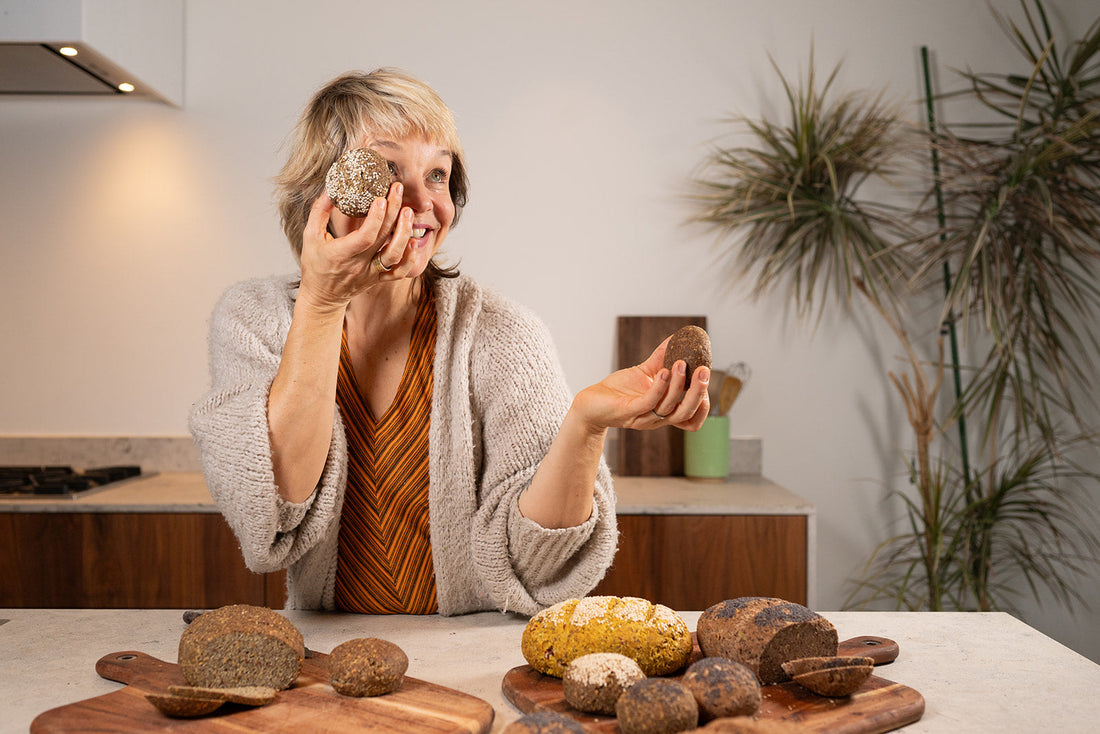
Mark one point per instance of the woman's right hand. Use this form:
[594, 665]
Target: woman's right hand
[335, 269]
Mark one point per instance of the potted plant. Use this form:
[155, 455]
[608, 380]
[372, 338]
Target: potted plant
[1015, 251]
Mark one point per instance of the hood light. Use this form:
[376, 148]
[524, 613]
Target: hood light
[67, 51]
[126, 87]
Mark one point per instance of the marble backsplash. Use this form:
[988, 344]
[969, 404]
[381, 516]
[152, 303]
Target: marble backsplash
[152, 454]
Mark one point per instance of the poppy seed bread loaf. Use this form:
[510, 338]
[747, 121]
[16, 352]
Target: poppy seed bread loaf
[653, 635]
[356, 179]
[763, 633]
[241, 645]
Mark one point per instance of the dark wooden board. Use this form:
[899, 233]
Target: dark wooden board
[311, 705]
[878, 706]
[660, 452]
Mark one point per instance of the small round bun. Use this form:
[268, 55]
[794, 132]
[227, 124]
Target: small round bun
[691, 344]
[367, 666]
[544, 722]
[594, 682]
[356, 179]
[723, 687]
[657, 706]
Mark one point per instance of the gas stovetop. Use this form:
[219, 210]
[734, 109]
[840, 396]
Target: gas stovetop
[59, 481]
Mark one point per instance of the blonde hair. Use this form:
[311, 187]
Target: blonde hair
[386, 101]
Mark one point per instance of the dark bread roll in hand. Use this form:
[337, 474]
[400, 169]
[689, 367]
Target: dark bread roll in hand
[691, 344]
[356, 179]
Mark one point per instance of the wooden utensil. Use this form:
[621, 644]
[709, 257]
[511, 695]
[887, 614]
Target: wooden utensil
[731, 388]
[878, 706]
[418, 707]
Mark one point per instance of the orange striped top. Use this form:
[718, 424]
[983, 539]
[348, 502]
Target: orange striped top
[384, 561]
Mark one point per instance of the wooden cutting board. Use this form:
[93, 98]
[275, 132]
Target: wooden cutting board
[311, 705]
[660, 452]
[878, 706]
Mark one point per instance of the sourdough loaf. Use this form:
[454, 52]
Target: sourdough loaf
[653, 635]
[763, 633]
[241, 645]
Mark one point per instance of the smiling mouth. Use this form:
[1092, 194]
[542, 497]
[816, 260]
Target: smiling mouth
[418, 232]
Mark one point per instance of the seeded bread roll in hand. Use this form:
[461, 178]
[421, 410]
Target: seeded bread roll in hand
[691, 344]
[356, 179]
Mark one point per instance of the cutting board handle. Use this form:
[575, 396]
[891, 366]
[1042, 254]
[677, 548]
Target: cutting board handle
[879, 649]
[137, 669]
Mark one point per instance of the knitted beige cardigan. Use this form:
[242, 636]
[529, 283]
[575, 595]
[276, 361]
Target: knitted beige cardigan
[498, 400]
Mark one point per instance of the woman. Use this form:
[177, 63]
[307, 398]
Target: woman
[398, 437]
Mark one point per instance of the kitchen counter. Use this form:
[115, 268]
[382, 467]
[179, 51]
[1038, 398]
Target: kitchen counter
[977, 672]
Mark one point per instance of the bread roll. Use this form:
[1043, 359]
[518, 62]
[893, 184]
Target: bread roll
[593, 683]
[723, 687]
[657, 706]
[367, 666]
[356, 179]
[763, 633]
[691, 344]
[653, 635]
[241, 645]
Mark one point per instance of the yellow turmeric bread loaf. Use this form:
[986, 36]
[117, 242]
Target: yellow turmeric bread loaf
[656, 637]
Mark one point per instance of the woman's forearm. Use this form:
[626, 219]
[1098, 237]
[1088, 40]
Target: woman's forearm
[302, 403]
[560, 493]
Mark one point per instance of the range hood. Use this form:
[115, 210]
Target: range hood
[110, 48]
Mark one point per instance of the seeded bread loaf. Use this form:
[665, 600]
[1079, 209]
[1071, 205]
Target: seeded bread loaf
[241, 645]
[653, 635]
[593, 683]
[763, 633]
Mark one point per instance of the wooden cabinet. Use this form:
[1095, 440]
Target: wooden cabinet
[127, 559]
[688, 544]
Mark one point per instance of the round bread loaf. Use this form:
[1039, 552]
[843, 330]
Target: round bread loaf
[241, 645]
[544, 722]
[367, 666]
[763, 633]
[594, 682]
[357, 178]
[722, 687]
[657, 706]
[653, 635]
[691, 344]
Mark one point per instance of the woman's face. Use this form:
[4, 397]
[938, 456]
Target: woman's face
[424, 169]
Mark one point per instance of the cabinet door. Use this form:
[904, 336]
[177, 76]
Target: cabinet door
[126, 560]
[688, 562]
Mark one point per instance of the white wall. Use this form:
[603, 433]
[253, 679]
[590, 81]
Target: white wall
[121, 221]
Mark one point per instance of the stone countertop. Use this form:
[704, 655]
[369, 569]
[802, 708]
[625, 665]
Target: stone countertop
[977, 672]
[186, 492]
[161, 492]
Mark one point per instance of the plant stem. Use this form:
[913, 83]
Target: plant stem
[952, 338]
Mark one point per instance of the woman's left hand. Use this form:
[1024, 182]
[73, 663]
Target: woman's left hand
[647, 396]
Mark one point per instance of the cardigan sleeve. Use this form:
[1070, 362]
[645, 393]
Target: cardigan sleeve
[229, 425]
[521, 397]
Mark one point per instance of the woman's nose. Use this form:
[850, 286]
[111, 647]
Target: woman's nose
[416, 196]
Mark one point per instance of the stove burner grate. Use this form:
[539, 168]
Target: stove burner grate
[59, 480]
